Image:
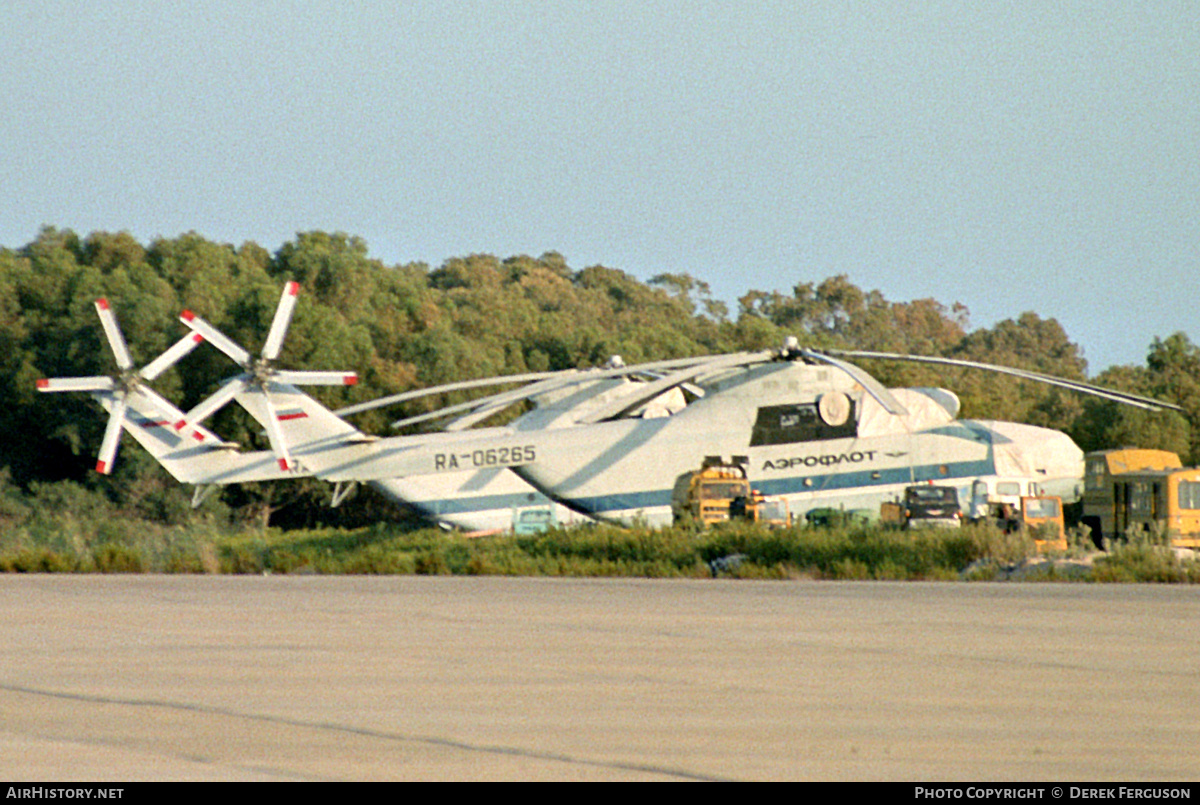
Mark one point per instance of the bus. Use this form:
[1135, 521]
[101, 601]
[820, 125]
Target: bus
[1141, 490]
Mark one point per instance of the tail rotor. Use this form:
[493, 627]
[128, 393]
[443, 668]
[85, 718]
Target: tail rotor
[126, 385]
[259, 374]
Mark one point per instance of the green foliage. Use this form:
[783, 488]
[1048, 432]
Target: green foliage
[1170, 374]
[849, 552]
[1143, 561]
[122, 545]
[118, 559]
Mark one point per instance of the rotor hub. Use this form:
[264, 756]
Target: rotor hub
[260, 370]
[127, 382]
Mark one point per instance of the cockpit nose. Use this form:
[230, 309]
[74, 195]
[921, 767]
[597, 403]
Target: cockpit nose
[1049, 456]
[945, 398]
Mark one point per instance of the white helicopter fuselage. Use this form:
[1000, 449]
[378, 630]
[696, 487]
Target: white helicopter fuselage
[490, 499]
[625, 470]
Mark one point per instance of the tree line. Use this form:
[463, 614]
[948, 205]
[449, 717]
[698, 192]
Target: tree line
[409, 326]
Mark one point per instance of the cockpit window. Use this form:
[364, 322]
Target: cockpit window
[1041, 507]
[719, 491]
[799, 422]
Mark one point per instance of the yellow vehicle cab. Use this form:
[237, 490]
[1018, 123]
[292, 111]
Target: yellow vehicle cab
[1042, 517]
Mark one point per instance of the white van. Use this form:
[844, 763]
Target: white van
[988, 495]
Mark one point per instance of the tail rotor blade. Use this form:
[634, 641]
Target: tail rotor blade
[281, 322]
[127, 395]
[215, 337]
[76, 384]
[210, 406]
[112, 437]
[275, 435]
[316, 378]
[171, 415]
[172, 356]
[116, 340]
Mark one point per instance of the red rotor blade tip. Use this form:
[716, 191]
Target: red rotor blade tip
[43, 383]
[101, 468]
[102, 303]
[187, 315]
[350, 380]
[293, 288]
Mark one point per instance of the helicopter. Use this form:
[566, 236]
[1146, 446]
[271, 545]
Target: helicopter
[603, 444]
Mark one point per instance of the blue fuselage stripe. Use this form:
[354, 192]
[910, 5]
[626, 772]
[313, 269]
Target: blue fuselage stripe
[861, 480]
[480, 503]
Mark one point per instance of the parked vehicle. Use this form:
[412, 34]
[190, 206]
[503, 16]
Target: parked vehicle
[720, 491]
[1141, 490]
[929, 505]
[1041, 516]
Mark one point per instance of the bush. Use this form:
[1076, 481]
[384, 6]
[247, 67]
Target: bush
[118, 559]
[67, 543]
[1144, 562]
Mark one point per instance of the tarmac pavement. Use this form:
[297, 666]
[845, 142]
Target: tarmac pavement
[126, 678]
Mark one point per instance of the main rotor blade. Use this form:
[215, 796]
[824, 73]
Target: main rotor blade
[215, 337]
[625, 404]
[275, 434]
[172, 356]
[100, 383]
[112, 437]
[393, 399]
[492, 405]
[233, 387]
[116, 340]
[283, 318]
[569, 376]
[486, 407]
[315, 378]
[1137, 400]
[873, 386]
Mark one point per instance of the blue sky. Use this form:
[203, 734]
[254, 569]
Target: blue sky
[1027, 156]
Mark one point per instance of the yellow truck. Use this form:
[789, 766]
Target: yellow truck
[720, 491]
[1141, 490]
